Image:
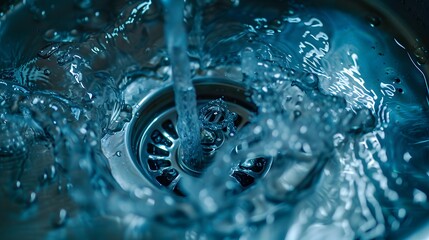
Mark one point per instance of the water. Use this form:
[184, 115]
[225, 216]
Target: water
[186, 101]
[342, 111]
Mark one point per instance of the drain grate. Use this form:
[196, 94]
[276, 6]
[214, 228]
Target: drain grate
[154, 145]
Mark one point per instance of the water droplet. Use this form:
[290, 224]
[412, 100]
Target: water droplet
[307, 81]
[118, 153]
[43, 178]
[32, 198]
[421, 54]
[47, 51]
[297, 113]
[399, 181]
[38, 14]
[60, 219]
[69, 186]
[374, 21]
[419, 196]
[52, 172]
[407, 157]
[402, 213]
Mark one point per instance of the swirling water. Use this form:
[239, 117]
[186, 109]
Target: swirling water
[342, 110]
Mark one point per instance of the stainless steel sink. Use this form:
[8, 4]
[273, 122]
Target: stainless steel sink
[407, 19]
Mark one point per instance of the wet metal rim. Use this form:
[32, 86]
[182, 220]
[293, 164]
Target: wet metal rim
[149, 153]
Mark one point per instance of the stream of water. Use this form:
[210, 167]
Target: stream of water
[342, 113]
[188, 126]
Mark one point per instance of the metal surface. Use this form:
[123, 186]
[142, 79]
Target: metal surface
[151, 146]
[18, 30]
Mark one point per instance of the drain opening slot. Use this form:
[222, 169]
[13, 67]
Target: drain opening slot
[156, 143]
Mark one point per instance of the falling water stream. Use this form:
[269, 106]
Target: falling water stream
[188, 126]
[335, 144]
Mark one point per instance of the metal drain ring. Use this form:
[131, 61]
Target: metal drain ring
[152, 141]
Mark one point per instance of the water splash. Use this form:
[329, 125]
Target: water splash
[348, 147]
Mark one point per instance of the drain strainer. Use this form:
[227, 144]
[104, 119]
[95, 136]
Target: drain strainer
[153, 144]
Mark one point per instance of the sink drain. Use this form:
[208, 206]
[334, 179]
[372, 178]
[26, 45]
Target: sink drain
[153, 146]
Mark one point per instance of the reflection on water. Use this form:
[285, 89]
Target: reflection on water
[342, 112]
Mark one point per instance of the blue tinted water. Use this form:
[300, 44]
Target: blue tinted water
[343, 112]
[188, 126]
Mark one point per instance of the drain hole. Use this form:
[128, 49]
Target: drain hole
[238, 120]
[154, 150]
[159, 149]
[244, 179]
[158, 138]
[214, 117]
[256, 165]
[167, 176]
[169, 128]
[178, 191]
[158, 164]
